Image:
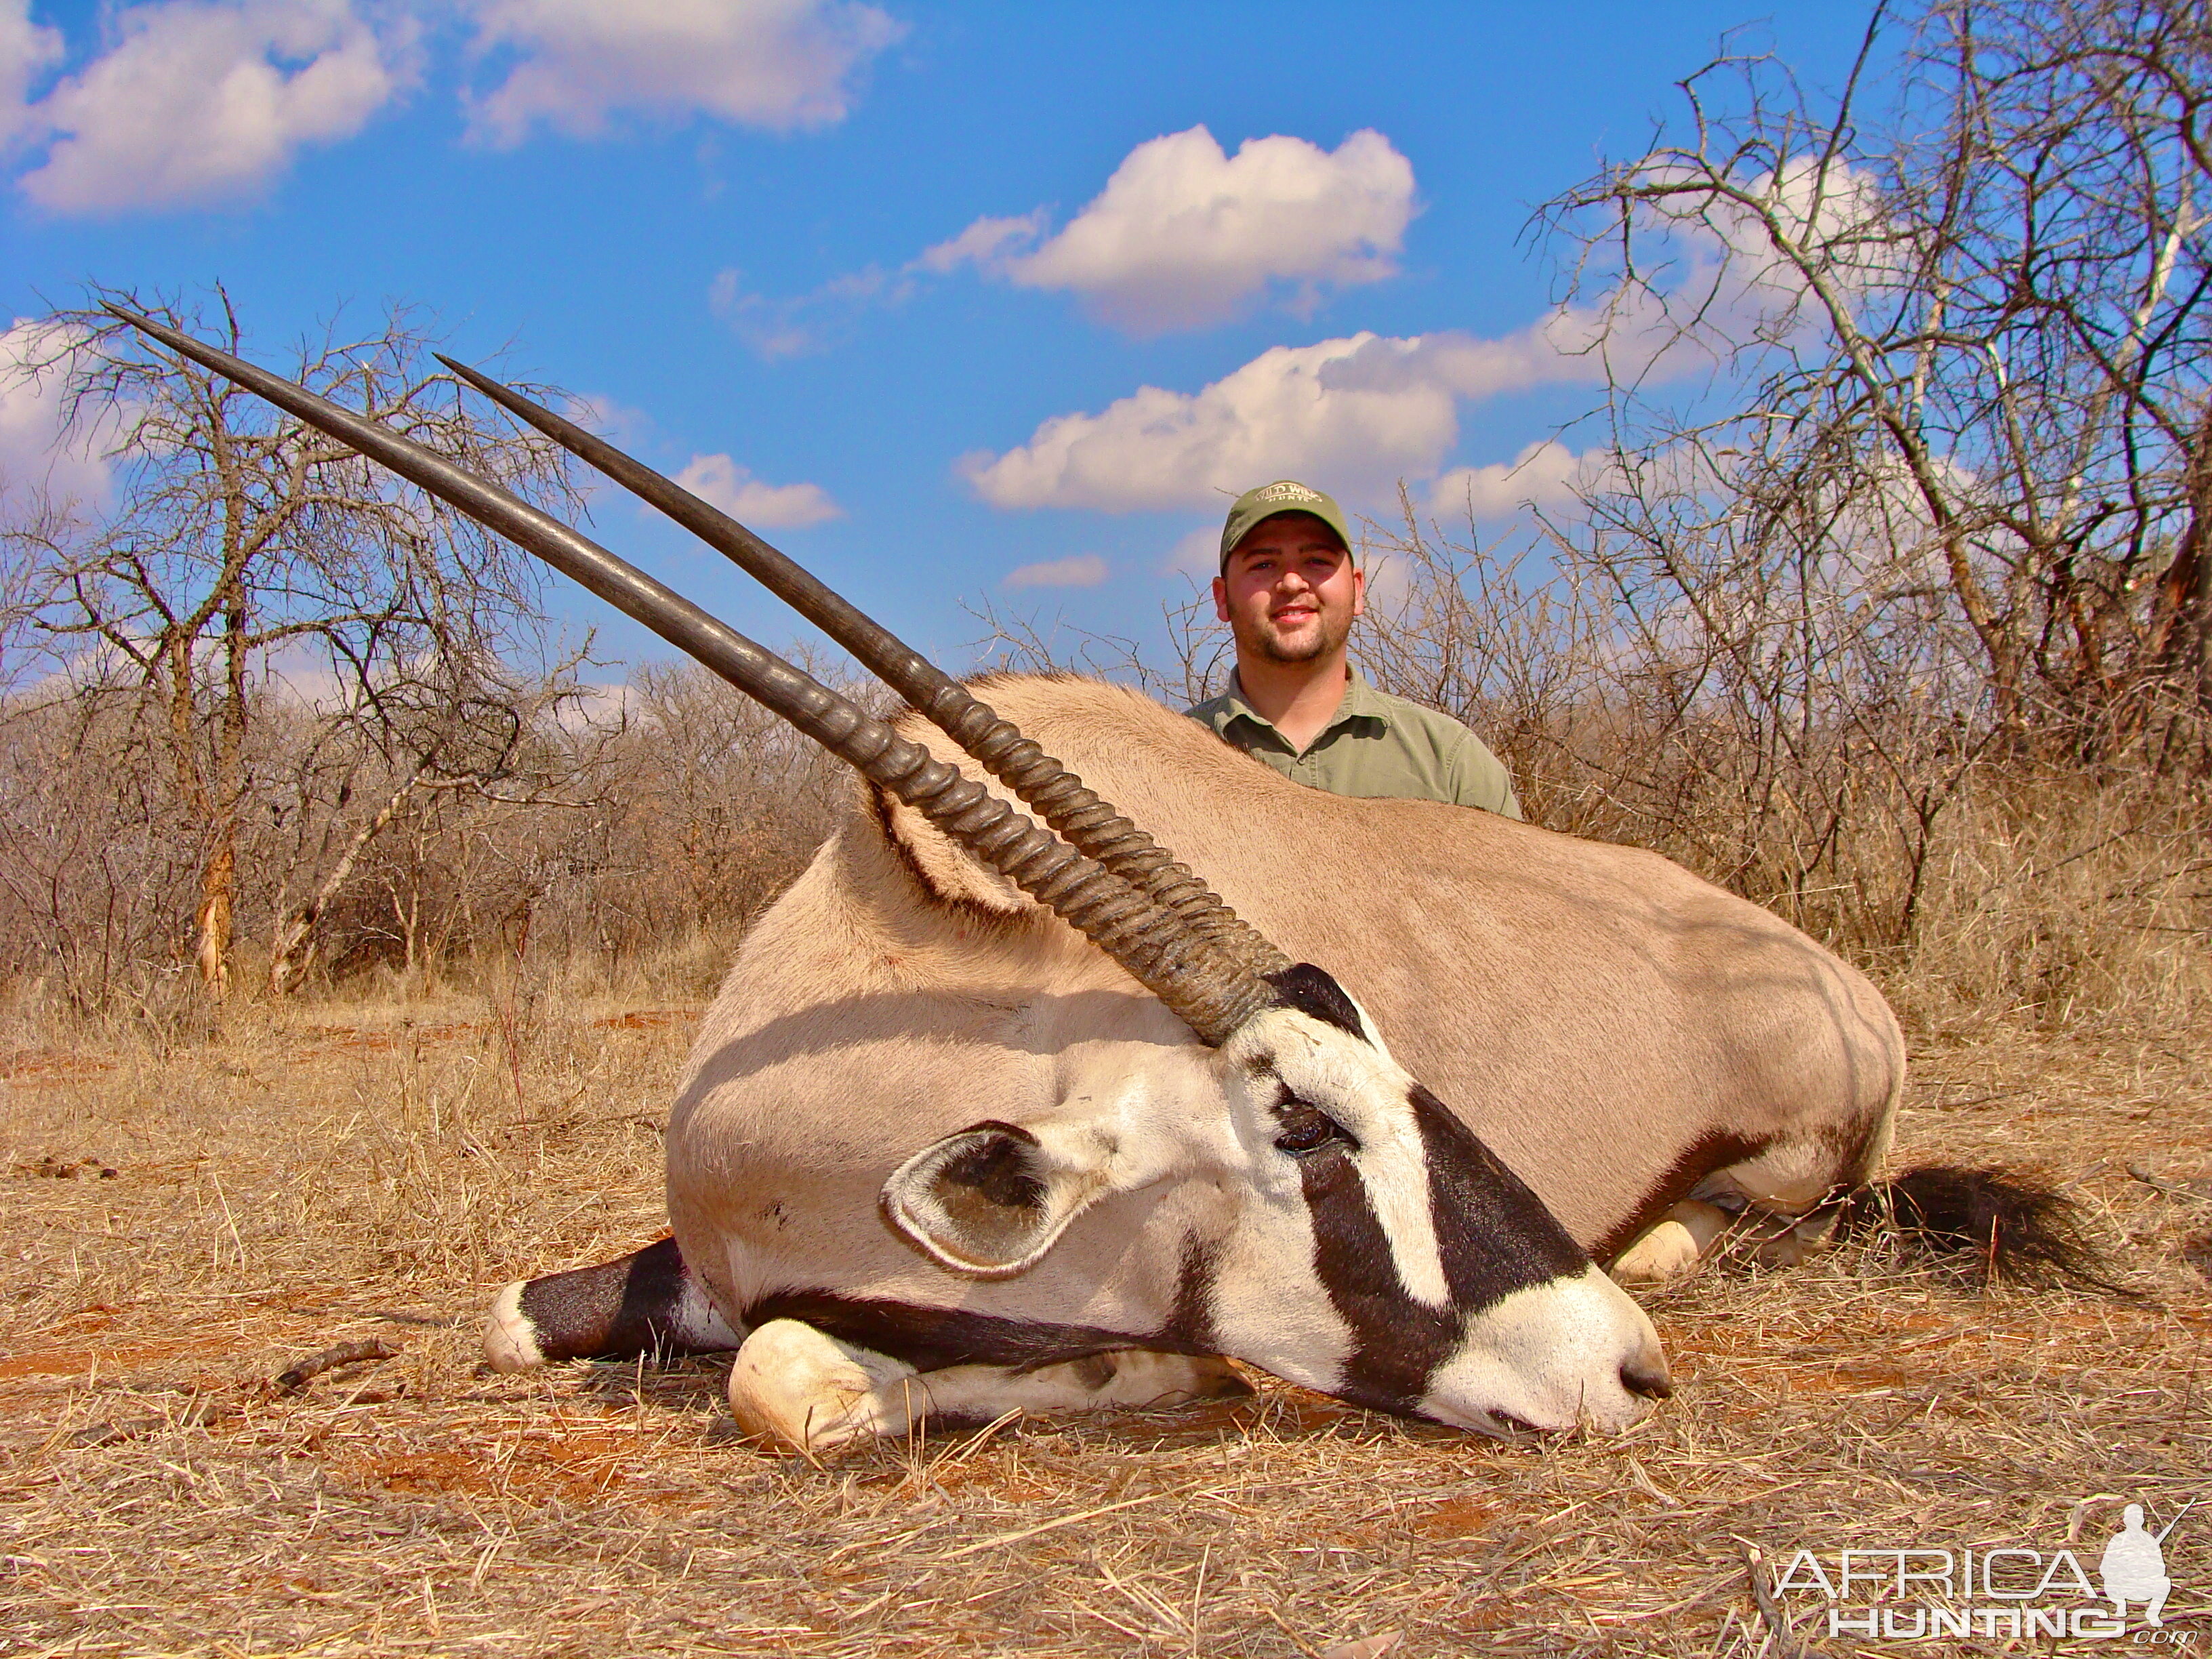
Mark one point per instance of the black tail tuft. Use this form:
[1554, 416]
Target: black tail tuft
[2010, 1226]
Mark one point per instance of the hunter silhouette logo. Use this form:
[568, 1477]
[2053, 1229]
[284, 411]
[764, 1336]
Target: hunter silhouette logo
[2134, 1567]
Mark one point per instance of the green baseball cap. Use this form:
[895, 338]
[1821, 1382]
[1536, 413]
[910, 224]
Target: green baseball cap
[1284, 495]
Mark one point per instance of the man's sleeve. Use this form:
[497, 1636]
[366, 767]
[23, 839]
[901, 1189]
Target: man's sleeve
[1480, 778]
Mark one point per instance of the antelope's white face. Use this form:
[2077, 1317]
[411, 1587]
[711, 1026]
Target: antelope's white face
[1358, 1240]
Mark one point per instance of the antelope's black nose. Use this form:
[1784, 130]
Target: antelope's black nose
[1647, 1374]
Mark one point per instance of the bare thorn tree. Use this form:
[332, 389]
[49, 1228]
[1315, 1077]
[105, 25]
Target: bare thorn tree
[243, 553]
[437, 726]
[1974, 327]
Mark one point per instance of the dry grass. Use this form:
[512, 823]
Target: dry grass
[363, 1175]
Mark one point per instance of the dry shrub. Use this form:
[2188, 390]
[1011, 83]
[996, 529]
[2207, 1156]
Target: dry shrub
[622, 844]
[2061, 902]
[1831, 766]
[92, 877]
[1777, 743]
[340, 1173]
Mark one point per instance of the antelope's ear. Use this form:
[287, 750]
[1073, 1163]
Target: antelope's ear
[945, 867]
[990, 1200]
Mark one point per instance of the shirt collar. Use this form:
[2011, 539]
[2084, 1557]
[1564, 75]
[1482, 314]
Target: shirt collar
[1362, 702]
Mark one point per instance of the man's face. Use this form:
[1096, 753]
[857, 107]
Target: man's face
[1291, 591]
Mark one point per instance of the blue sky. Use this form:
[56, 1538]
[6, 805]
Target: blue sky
[893, 279]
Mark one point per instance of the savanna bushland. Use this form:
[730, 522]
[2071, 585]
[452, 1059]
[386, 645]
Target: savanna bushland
[352, 930]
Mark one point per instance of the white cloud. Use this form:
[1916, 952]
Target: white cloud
[200, 101]
[775, 63]
[719, 481]
[38, 460]
[1354, 414]
[1834, 206]
[1543, 474]
[1357, 414]
[1196, 552]
[813, 322]
[1081, 570]
[1279, 416]
[991, 243]
[599, 706]
[25, 49]
[613, 420]
[1185, 235]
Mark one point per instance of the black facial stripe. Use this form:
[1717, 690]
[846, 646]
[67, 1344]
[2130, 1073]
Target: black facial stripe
[1190, 1328]
[1396, 1343]
[1311, 990]
[929, 1339]
[1493, 1234]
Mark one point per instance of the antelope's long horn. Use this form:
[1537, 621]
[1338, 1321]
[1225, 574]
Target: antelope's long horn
[1090, 824]
[1213, 992]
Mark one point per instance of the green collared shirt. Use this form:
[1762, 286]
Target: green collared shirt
[1375, 744]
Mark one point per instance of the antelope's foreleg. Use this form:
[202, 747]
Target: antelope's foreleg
[793, 1383]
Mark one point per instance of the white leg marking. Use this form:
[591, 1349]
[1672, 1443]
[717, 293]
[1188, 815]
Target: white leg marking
[510, 1341]
[1794, 1246]
[1126, 1377]
[698, 1323]
[793, 1384]
[1786, 1180]
[1672, 1246]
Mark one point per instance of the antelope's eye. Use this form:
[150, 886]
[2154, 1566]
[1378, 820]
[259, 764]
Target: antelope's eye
[1305, 1129]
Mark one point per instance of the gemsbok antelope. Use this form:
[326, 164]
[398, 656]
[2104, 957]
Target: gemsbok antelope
[994, 1113]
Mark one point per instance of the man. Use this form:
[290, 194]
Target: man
[1289, 590]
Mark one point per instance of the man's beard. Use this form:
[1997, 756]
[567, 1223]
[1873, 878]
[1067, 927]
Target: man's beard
[1328, 636]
